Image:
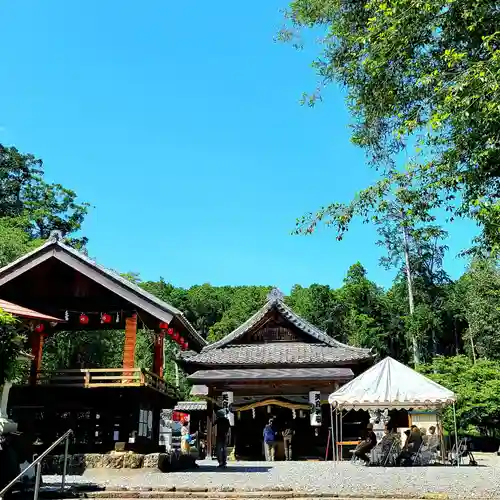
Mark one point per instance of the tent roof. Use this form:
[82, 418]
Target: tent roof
[390, 384]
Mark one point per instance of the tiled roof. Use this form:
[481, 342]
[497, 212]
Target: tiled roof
[55, 243]
[191, 406]
[276, 354]
[276, 302]
[334, 374]
[24, 312]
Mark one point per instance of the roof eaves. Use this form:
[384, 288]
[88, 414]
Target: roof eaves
[57, 244]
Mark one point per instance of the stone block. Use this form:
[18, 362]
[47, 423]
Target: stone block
[133, 461]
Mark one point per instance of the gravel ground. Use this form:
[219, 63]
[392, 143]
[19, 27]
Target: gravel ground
[325, 477]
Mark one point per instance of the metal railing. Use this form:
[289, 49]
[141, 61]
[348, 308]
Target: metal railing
[38, 464]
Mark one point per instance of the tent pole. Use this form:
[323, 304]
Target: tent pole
[336, 434]
[341, 434]
[456, 433]
[333, 437]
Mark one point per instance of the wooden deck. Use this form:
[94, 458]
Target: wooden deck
[104, 377]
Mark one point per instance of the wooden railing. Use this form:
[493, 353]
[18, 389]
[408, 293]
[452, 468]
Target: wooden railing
[104, 377]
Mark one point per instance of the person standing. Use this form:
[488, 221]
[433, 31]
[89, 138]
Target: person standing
[223, 425]
[288, 434]
[269, 441]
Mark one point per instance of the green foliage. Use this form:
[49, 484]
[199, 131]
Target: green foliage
[477, 387]
[10, 346]
[89, 349]
[34, 205]
[423, 73]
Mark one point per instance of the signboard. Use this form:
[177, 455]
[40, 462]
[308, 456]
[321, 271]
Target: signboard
[165, 437]
[227, 405]
[315, 400]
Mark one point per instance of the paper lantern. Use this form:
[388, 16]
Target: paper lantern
[175, 336]
[170, 332]
[39, 328]
[181, 340]
[106, 318]
[84, 319]
[163, 325]
[186, 345]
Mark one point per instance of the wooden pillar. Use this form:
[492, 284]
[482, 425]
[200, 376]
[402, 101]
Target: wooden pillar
[158, 354]
[130, 341]
[37, 341]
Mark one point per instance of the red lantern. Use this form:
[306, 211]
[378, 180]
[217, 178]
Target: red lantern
[170, 332]
[181, 340]
[106, 318]
[163, 325]
[39, 328]
[175, 336]
[186, 345]
[84, 319]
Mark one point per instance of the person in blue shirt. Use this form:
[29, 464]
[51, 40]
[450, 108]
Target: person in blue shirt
[269, 441]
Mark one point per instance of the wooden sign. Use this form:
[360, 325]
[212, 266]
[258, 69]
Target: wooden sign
[274, 334]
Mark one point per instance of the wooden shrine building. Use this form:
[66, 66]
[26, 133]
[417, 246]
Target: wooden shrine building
[102, 405]
[275, 364]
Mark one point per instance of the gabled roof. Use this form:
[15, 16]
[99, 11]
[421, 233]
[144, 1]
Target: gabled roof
[55, 248]
[275, 300]
[24, 312]
[277, 353]
[390, 384]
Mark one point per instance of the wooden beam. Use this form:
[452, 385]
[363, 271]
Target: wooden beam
[130, 342]
[37, 340]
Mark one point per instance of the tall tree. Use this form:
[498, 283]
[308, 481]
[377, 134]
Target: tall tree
[425, 72]
[402, 213]
[43, 207]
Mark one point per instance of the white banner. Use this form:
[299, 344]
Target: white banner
[227, 403]
[315, 401]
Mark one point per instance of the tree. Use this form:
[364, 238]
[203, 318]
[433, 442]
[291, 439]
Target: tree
[15, 240]
[42, 206]
[366, 311]
[480, 299]
[320, 305]
[424, 73]
[477, 387]
[403, 216]
[10, 345]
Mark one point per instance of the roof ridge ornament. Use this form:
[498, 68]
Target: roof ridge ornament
[55, 235]
[275, 295]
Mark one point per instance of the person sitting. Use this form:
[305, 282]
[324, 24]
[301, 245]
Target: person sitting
[412, 445]
[432, 440]
[367, 444]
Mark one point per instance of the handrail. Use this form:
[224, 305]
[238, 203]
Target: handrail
[36, 463]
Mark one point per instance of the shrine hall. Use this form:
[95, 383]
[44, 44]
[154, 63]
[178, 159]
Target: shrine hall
[278, 365]
[102, 405]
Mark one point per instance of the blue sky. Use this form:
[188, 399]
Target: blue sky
[180, 122]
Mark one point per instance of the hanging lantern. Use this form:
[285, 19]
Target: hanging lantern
[84, 319]
[294, 414]
[253, 412]
[106, 318]
[181, 341]
[175, 336]
[186, 345]
[39, 328]
[66, 315]
[170, 332]
[163, 325]
[117, 319]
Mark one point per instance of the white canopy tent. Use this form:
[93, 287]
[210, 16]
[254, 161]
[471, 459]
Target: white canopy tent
[391, 385]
